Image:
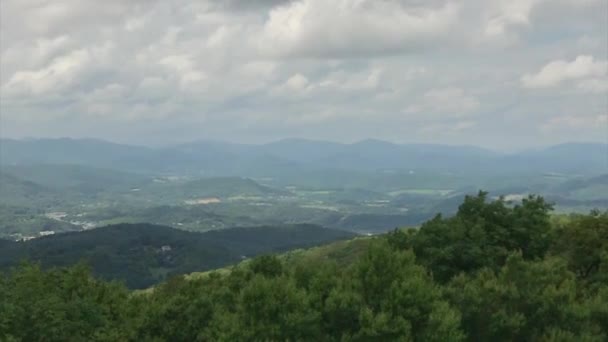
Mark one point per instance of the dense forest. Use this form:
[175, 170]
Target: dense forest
[141, 255]
[495, 271]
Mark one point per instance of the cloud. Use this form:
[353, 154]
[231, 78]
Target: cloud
[341, 80]
[445, 103]
[506, 15]
[183, 69]
[507, 23]
[448, 128]
[317, 28]
[559, 71]
[266, 69]
[61, 73]
[297, 82]
[579, 123]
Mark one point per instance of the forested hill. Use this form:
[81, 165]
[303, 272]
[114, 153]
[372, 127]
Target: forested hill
[144, 254]
[495, 271]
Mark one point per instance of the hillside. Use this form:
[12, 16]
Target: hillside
[77, 178]
[23, 192]
[590, 188]
[221, 187]
[143, 254]
[492, 272]
[27, 180]
[343, 253]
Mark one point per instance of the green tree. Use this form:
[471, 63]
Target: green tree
[267, 265]
[524, 301]
[273, 309]
[583, 242]
[400, 299]
[179, 310]
[482, 234]
[61, 305]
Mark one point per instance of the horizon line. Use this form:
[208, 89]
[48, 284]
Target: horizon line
[300, 139]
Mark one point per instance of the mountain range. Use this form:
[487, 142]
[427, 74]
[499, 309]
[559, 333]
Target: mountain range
[210, 158]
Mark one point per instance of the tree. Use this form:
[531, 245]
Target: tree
[483, 234]
[400, 299]
[267, 265]
[273, 309]
[61, 305]
[179, 310]
[525, 300]
[583, 242]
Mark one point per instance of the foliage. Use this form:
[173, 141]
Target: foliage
[493, 272]
[583, 242]
[61, 305]
[525, 301]
[142, 255]
[483, 234]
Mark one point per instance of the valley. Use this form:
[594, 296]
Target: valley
[52, 186]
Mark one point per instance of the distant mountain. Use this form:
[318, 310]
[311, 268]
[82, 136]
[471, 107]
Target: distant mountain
[22, 205]
[376, 154]
[67, 151]
[300, 150]
[582, 158]
[226, 187]
[220, 187]
[143, 254]
[583, 182]
[27, 180]
[208, 158]
[74, 177]
[584, 189]
[18, 191]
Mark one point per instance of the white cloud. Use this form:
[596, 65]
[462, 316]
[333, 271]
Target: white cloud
[445, 102]
[274, 68]
[61, 73]
[318, 28]
[111, 92]
[297, 82]
[345, 81]
[560, 71]
[507, 14]
[184, 69]
[506, 23]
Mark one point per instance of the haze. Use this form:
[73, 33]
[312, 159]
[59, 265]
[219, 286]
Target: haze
[500, 74]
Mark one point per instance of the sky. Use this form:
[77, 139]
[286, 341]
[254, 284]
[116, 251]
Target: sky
[501, 74]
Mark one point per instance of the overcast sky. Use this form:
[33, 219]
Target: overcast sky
[496, 73]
